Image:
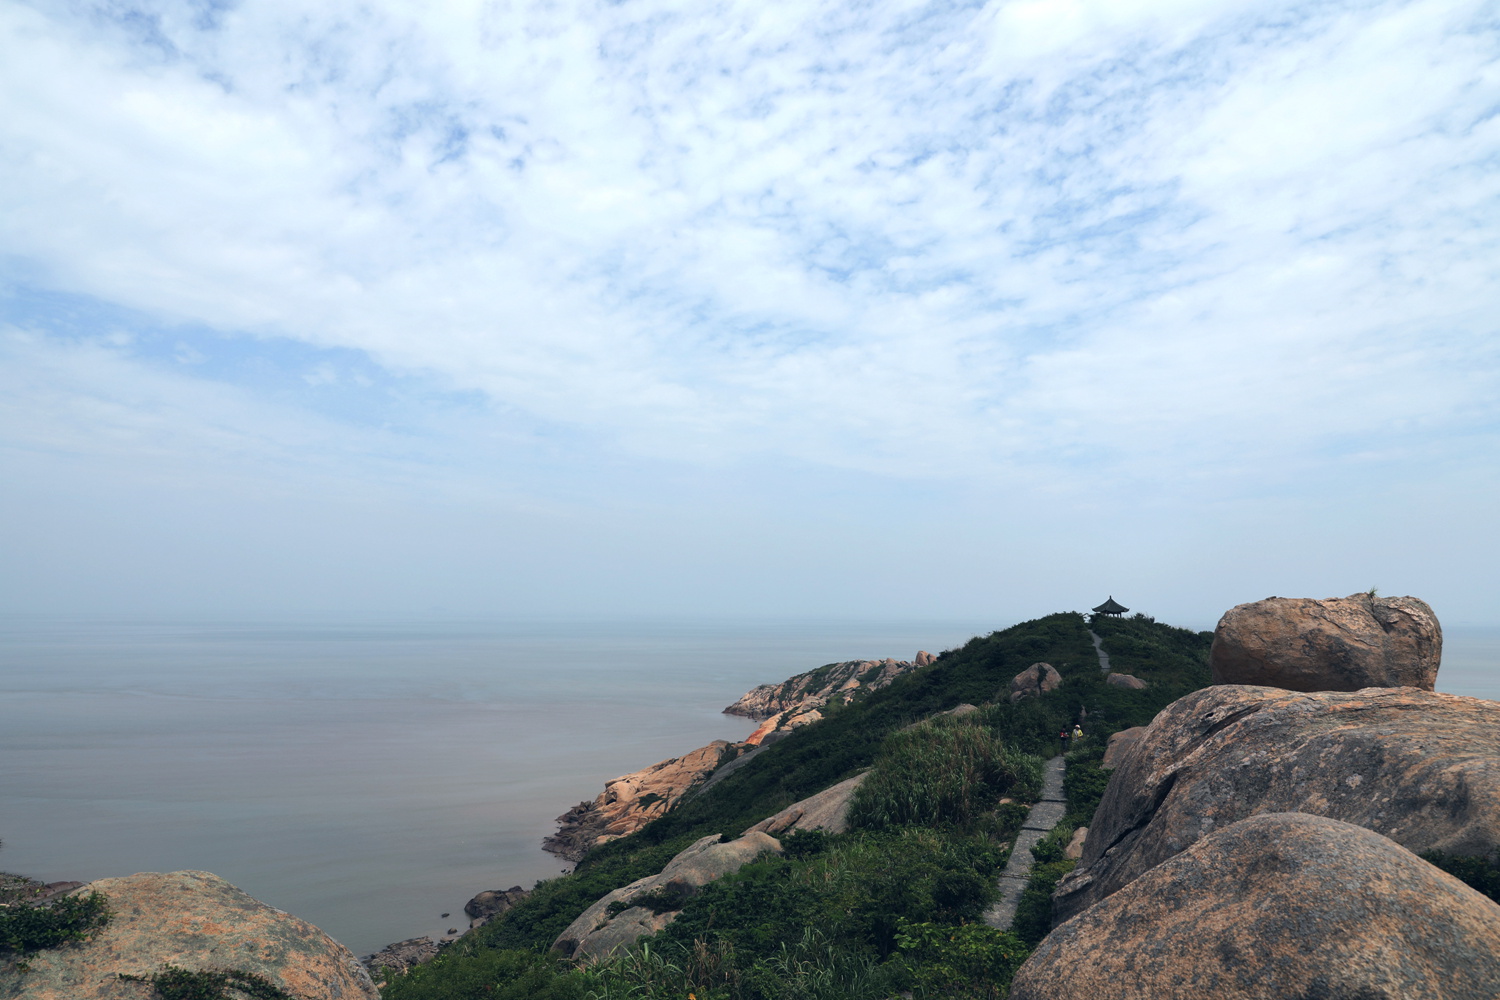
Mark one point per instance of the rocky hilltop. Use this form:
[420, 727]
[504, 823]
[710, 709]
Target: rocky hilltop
[632, 800]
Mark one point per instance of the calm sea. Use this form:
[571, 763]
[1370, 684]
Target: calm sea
[365, 776]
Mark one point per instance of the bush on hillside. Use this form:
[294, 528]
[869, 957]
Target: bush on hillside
[944, 771]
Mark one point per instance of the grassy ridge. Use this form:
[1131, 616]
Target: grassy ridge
[888, 908]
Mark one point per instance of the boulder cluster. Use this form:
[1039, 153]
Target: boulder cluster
[1260, 838]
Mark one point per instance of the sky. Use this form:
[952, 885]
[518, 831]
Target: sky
[861, 309]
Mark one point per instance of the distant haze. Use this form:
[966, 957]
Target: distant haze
[752, 309]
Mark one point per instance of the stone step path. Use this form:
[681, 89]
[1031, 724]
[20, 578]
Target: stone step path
[1047, 813]
[1099, 648]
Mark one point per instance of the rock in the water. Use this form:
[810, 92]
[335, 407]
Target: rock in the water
[196, 921]
[401, 956]
[1074, 850]
[1338, 644]
[1037, 679]
[596, 933]
[1126, 681]
[1280, 905]
[1120, 744]
[491, 903]
[1419, 767]
[827, 811]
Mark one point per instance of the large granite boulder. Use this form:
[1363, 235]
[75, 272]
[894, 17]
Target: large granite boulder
[1338, 644]
[1419, 767]
[647, 905]
[196, 921]
[827, 811]
[1281, 905]
[1037, 679]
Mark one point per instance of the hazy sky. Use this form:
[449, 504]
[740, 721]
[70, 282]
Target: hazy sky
[861, 308]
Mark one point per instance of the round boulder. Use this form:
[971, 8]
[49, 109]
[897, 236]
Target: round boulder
[1037, 679]
[195, 921]
[1338, 644]
[1278, 905]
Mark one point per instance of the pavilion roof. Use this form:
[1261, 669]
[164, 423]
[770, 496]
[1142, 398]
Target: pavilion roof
[1111, 607]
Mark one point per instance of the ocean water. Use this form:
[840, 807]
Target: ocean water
[366, 776]
[370, 776]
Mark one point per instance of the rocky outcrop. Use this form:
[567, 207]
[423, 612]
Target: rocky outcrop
[1278, 905]
[489, 904]
[1338, 644]
[649, 904]
[196, 921]
[1127, 681]
[1121, 744]
[1037, 679]
[400, 957]
[631, 801]
[924, 658]
[816, 688]
[827, 811]
[1419, 767]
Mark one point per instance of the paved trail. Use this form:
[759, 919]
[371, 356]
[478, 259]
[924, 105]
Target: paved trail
[1099, 648]
[1046, 814]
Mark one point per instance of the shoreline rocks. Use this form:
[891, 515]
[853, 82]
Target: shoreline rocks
[815, 688]
[632, 800]
[1337, 644]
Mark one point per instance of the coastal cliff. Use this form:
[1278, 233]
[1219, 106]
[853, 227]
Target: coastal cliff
[632, 800]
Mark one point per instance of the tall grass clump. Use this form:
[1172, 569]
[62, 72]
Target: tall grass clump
[942, 772]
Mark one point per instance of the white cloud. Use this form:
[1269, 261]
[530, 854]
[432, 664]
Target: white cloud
[911, 240]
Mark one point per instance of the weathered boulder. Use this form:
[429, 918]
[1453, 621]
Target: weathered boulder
[1037, 679]
[827, 811]
[196, 921]
[1338, 644]
[597, 932]
[1120, 744]
[1278, 905]
[924, 658]
[1074, 850]
[1129, 681]
[1419, 767]
[489, 904]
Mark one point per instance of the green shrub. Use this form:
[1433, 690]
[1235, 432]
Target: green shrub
[461, 973]
[941, 772]
[965, 961]
[1034, 910]
[1051, 847]
[26, 929]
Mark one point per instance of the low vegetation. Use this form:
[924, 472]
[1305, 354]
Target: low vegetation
[28, 925]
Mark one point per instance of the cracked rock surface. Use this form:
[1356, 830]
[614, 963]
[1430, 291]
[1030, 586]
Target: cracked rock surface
[1419, 767]
[1280, 905]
